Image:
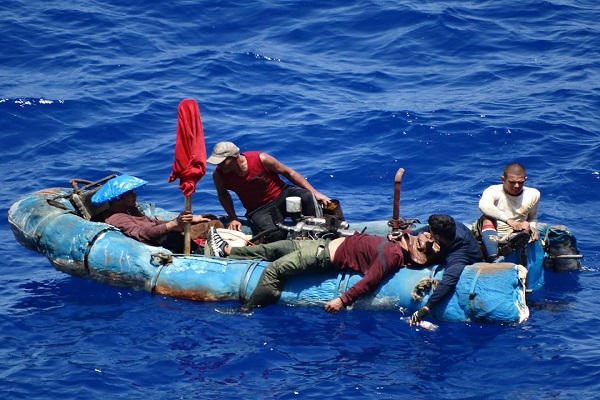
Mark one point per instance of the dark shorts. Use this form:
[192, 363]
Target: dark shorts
[265, 218]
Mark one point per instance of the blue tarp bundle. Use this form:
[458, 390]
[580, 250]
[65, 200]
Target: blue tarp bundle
[488, 293]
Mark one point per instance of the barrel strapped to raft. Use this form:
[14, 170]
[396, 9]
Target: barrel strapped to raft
[487, 292]
[93, 240]
[472, 293]
[162, 259]
[155, 278]
[247, 275]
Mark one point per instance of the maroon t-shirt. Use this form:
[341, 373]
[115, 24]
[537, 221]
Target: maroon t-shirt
[373, 256]
[138, 226]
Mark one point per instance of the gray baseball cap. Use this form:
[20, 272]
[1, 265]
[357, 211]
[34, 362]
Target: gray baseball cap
[221, 151]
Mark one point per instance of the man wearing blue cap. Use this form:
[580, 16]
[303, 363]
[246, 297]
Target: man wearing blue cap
[124, 214]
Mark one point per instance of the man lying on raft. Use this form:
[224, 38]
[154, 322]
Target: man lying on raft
[373, 256]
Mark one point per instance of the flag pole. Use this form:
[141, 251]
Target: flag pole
[189, 165]
[187, 227]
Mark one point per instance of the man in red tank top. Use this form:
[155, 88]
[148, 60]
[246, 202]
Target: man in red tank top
[255, 177]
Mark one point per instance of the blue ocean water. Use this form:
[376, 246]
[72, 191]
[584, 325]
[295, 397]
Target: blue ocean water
[346, 93]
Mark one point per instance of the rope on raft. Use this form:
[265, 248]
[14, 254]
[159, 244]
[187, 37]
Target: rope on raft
[422, 287]
[161, 258]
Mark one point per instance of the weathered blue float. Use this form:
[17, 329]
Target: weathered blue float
[52, 223]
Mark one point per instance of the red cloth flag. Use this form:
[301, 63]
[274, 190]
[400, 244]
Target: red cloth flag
[190, 152]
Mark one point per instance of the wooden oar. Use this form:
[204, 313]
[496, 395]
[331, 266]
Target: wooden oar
[187, 228]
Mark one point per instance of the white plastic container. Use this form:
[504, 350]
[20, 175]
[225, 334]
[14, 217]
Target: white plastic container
[293, 204]
[428, 326]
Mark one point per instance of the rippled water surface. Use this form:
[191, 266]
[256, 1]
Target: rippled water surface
[346, 94]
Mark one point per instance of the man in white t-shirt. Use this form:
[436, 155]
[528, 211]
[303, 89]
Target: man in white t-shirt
[509, 212]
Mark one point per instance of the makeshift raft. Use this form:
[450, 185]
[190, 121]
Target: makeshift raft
[53, 223]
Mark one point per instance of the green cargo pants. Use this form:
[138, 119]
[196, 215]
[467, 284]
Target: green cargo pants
[288, 257]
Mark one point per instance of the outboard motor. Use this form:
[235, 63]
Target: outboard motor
[334, 209]
[314, 228]
[331, 225]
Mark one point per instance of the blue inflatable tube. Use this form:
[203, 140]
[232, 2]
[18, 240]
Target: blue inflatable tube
[46, 222]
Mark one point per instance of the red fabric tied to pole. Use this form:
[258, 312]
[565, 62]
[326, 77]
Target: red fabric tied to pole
[190, 152]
